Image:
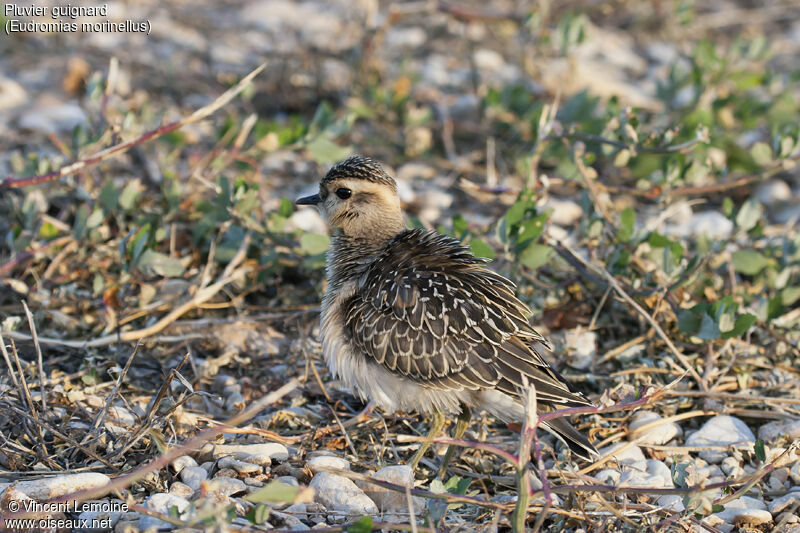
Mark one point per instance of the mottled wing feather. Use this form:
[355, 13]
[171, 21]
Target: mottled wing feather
[428, 310]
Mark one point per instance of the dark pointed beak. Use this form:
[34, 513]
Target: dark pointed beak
[314, 199]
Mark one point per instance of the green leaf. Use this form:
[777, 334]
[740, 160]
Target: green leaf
[79, 226]
[626, 224]
[247, 203]
[324, 150]
[95, 219]
[749, 214]
[274, 492]
[790, 295]
[129, 195]
[717, 508]
[679, 474]
[536, 255]
[158, 264]
[481, 249]
[460, 227]
[708, 328]
[727, 207]
[749, 262]
[742, 324]
[656, 240]
[314, 243]
[761, 454]
[688, 322]
[109, 197]
[286, 208]
[762, 153]
[257, 514]
[364, 525]
[516, 212]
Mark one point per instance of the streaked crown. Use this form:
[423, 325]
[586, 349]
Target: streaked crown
[361, 168]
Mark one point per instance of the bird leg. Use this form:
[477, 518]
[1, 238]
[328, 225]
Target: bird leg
[462, 423]
[436, 427]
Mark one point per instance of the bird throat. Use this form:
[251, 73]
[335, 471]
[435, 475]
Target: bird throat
[349, 257]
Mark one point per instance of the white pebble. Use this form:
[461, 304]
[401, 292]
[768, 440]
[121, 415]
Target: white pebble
[162, 502]
[321, 462]
[657, 434]
[721, 430]
[53, 487]
[743, 506]
[341, 496]
[193, 476]
[243, 467]
[773, 191]
[784, 502]
[274, 450]
[182, 462]
[389, 501]
[672, 502]
[581, 347]
[628, 456]
[566, 213]
[772, 431]
[227, 486]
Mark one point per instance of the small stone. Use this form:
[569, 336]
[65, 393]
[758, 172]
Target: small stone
[566, 213]
[787, 518]
[794, 472]
[320, 462]
[53, 118]
[227, 486]
[659, 470]
[12, 94]
[53, 487]
[731, 467]
[628, 456]
[181, 489]
[253, 482]
[773, 191]
[784, 502]
[182, 462]
[308, 220]
[740, 506]
[289, 480]
[290, 522]
[772, 431]
[398, 37]
[658, 434]
[341, 497]
[752, 517]
[193, 476]
[609, 475]
[389, 501]
[162, 502]
[242, 467]
[581, 347]
[721, 430]
[274, 450]
[672, 502]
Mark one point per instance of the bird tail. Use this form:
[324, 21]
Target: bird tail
[573, 438]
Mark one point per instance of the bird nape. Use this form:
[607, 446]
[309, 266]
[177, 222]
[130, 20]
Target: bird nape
[415, 322]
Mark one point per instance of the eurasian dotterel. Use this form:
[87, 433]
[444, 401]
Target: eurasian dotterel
[415, 322]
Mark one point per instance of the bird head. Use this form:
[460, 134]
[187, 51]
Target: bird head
[358, 197]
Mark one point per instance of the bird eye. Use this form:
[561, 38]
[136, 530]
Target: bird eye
[343, 193]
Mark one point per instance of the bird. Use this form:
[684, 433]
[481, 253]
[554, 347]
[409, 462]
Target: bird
[413, 321]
